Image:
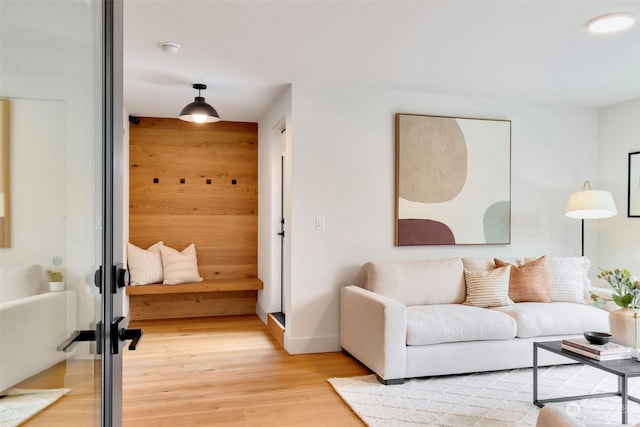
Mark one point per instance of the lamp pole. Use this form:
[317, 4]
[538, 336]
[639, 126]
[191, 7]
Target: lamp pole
[582, 220]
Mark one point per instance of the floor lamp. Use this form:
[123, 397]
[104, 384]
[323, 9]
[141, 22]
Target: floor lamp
[590, 204]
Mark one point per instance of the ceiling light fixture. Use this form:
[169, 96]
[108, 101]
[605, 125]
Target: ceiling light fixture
[611, 22]
[199, 111]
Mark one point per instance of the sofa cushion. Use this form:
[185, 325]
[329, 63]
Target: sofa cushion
[527, 282]
[488, 288]
[434, 324]
[536, 319]
[437, 281]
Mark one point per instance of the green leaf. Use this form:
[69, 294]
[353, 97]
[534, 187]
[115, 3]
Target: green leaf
[627, 299]
[622, 301]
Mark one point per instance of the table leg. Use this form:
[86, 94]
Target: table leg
[625, 397]
[535, 374]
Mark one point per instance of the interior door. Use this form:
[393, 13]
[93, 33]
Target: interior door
[60, 82]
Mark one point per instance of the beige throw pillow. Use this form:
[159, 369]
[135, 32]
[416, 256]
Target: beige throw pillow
[527, 282]
[180, 267]
[145, 266]
[488, 288]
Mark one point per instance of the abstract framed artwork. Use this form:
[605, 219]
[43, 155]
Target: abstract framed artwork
[633, 186]
[453, 180]
[5, 208]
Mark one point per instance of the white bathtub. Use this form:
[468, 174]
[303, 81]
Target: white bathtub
[31, 329]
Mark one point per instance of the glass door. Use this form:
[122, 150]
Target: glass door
[60, 215]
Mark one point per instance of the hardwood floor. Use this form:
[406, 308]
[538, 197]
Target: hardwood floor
[229, 371]
[79, 407]
[219, 371]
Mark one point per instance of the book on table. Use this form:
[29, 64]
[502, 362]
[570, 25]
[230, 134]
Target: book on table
[608, 351]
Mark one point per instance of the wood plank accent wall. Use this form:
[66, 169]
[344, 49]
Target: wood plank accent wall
[221, 217]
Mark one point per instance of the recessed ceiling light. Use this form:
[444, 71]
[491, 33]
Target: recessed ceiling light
[611, 23]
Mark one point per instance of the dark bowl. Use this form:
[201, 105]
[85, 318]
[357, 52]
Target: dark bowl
[597, 338]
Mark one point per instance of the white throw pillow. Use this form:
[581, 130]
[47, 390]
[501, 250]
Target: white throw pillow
[145, 266]
[568, 278]
[180, 267]
[488, 288]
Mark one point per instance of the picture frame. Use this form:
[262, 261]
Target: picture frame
[5, 199]
[633, 185]
[453, 180]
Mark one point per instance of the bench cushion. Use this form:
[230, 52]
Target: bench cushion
[434, 324]
[536, 319]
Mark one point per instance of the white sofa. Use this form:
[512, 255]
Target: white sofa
[408, 319]
[32, 323]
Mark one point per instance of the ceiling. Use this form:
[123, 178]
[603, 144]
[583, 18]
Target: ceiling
[248, 52]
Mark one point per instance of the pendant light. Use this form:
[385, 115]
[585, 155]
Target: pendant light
[199, 111]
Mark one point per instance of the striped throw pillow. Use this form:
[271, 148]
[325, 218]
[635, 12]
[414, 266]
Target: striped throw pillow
[488, 288]
[180, 267]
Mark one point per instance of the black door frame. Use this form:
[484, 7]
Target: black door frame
[112, 229]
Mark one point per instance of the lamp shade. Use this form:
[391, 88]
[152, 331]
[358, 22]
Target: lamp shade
[199, 111]
[591, 204]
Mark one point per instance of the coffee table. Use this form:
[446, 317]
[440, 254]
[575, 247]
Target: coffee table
[622, 368]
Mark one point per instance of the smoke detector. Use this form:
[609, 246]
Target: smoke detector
[170, 48]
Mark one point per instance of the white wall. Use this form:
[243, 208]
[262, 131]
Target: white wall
[619, 135]
[38, 167]
[343, 169]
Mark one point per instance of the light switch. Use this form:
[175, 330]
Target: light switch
[319, 223]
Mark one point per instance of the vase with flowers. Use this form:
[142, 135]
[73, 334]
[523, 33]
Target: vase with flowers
[624, 322]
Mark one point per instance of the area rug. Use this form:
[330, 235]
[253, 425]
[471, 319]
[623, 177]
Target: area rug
[18, 405]
[491, 399]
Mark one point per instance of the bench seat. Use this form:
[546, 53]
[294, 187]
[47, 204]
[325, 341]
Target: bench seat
[217, 297]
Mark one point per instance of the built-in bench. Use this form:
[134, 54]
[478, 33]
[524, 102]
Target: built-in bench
[206, 298]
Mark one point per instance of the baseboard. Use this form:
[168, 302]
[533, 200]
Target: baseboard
[276, 329]
[262, 313]
[307, 345]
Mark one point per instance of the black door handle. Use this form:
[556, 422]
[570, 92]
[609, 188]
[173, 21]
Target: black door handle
[84, 335]
[120, 335]
[131, 334]
[77, 336]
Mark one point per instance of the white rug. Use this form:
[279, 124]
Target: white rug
[492, 399]
[19, 405]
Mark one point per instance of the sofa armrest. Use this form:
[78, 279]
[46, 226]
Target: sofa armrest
[373, 329]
